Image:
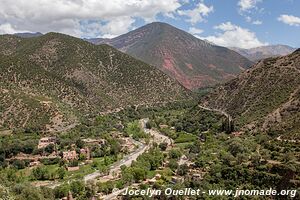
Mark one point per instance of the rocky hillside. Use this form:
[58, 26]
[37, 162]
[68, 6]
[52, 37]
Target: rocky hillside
[193, 62]
[258, 53]
[265, 97]
[52, 81]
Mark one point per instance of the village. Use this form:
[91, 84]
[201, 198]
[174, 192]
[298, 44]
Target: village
[191, 171]
[79, 153]
[82, 153]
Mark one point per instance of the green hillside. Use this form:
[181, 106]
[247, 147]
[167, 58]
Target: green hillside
[265, 97]
[51, 82]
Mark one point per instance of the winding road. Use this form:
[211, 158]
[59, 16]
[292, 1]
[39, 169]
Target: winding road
[127, 160]
[156, 137]
[116, 167]
[217, 110]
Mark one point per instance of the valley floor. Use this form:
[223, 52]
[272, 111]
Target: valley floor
[176, 146]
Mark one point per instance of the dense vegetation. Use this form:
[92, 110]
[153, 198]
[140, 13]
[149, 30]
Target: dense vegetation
[224, 161]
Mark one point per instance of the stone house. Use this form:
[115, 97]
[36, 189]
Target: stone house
[45, 141]
[70, 155]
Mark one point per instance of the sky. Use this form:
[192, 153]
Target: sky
[230, 23]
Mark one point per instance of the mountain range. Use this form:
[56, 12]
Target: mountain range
[52, 81]
[258, 53]
[265, 97]
[28, 34]
[193, 62]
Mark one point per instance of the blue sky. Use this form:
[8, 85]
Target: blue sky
[240, 23]
[264, 20]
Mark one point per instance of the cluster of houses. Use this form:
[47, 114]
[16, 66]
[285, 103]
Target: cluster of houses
[72, 154]
[127, 143]
[68, 155]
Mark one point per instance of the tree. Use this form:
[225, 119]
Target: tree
[61, 172]
[135, 130]
[195, 147]
[40, 173]
[79, 143]
[61, 191]
[174, 154]
[182, 170]
[236, 146]
[127, 175]
[77, 187]
[115, 147]
[50, 148]
[82, 157]
[139, 174]
[173, 164]
[148, 125]
[5, 193]
[19, 164]
[48, 193]
[28, 192]
[106, 188]
[163, 146]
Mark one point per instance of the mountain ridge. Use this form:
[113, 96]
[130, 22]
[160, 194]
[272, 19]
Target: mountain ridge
[258, 53]
[57, 78]
[193, 62]
[265, 98]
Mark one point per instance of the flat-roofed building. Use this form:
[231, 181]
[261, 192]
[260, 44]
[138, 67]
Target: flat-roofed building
[70, 155]
[45, 141]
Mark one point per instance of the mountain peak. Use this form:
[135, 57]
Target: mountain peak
[193, 62]
[157, 23]
[162, 25]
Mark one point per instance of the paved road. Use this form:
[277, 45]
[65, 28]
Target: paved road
[157, 137]
[116, 167]
[113, 195]
[127, 160]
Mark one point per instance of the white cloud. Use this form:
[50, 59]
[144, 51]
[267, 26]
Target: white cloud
[246, 5]
[118, 26]
[74, 16]
[193, 30]
[234, 36]
[248, 18]
[198, 13]
[257, 22]
[289, 19]
[249, 7]
[108, 36]
[8, 29]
